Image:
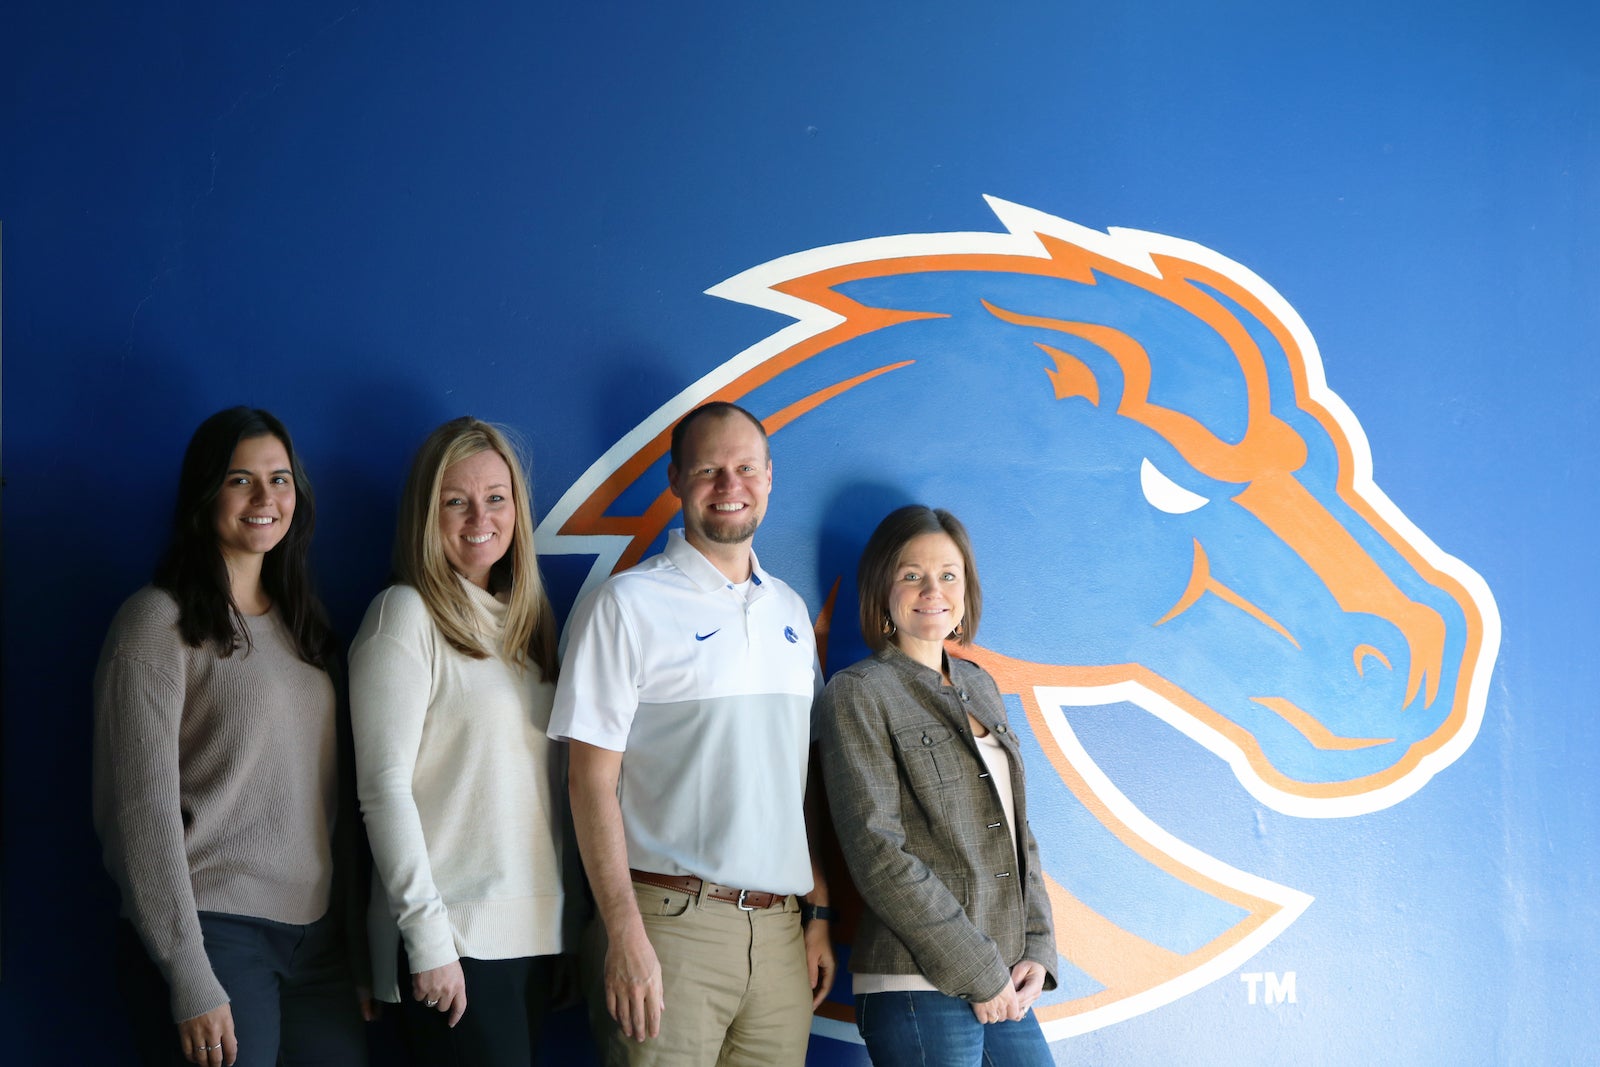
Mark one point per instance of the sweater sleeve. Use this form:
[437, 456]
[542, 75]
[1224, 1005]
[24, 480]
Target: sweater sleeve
[390, 682]
[863, 782]
[139, 698]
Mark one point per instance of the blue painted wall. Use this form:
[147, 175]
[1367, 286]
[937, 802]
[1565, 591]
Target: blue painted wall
[370, 219]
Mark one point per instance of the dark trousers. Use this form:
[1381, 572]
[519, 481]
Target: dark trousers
[288, 990]
[506, 1005]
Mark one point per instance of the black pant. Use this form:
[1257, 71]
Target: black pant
[506, 1004]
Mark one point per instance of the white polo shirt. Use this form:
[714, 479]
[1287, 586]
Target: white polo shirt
[708, 689]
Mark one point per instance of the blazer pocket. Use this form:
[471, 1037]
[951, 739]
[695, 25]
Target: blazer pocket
[930, 754]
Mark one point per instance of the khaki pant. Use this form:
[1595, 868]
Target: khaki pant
[736, 989]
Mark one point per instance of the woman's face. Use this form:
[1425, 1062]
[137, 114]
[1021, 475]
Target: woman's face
[477, 515]
[256, 505]
[928, 594]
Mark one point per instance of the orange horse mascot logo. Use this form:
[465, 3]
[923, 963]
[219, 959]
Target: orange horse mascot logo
[1176, 525]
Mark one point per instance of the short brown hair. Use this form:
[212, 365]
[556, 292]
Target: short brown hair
[875, 572]
[716, 409]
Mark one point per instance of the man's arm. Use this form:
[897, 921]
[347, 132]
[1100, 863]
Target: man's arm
[634, 994]
[820, 963]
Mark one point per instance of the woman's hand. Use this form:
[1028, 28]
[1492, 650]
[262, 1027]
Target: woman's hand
[999, 1008]
[367, 1004]
[208, 1039]
[1027, 978]
[444, 989]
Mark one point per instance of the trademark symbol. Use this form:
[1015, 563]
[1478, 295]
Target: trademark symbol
[1276, 989]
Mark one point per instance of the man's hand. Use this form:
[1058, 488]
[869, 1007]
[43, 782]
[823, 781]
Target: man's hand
[634, 994]
[820, 964]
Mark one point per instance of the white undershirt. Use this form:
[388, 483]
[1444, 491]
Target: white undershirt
[994, 758]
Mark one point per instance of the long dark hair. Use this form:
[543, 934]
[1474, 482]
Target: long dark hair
[192, 568]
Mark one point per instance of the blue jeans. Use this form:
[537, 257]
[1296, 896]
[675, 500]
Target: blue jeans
[288, 987]
[292, 1001]
[924, 1029]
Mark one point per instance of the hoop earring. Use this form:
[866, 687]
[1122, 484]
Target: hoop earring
[957, 634]
[888, 626]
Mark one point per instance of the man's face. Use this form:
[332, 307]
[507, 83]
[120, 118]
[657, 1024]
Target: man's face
[724, 480]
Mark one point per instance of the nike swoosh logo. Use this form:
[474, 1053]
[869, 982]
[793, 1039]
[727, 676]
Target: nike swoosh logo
[713, 633]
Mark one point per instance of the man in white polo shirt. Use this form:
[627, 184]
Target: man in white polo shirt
[686, 693]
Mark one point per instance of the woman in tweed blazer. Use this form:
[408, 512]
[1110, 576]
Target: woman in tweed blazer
[925, 782]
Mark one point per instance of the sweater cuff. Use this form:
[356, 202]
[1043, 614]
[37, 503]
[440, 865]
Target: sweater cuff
[430, 944]
[194, 986]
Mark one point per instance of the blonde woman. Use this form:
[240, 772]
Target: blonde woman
[451, 678]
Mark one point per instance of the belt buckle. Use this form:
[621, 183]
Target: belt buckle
[742, 905]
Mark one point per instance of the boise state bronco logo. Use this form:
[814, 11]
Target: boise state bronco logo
[1173, 515]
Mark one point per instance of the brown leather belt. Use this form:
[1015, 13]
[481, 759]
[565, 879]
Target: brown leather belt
[747, 899]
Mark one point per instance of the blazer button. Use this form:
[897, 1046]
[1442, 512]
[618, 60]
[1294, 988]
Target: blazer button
[927, 740]
[1001, 727]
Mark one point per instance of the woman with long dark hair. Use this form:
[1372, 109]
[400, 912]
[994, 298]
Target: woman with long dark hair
[925, 782]
[451, 682]
[217, 772]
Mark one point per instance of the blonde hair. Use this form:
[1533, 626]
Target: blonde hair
[419, 559]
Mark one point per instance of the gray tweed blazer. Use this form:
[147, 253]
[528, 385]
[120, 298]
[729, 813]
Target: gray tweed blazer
[922, 829]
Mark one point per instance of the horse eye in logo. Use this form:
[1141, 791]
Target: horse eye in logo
[1175, 521]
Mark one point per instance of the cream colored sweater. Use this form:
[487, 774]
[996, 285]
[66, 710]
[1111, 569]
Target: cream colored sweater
[462, 792]
[215, 784]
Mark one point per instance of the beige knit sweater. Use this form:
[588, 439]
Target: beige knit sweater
[215, 785]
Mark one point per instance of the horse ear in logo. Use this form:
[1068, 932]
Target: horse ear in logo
[1176, 513]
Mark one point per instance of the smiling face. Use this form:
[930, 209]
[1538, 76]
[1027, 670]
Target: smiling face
[477, 515]
[255, 506]
[724, 481]
[927, 596]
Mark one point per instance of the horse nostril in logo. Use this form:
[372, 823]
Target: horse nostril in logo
[1363, 653]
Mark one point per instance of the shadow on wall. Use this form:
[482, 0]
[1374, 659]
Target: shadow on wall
[83, 534]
